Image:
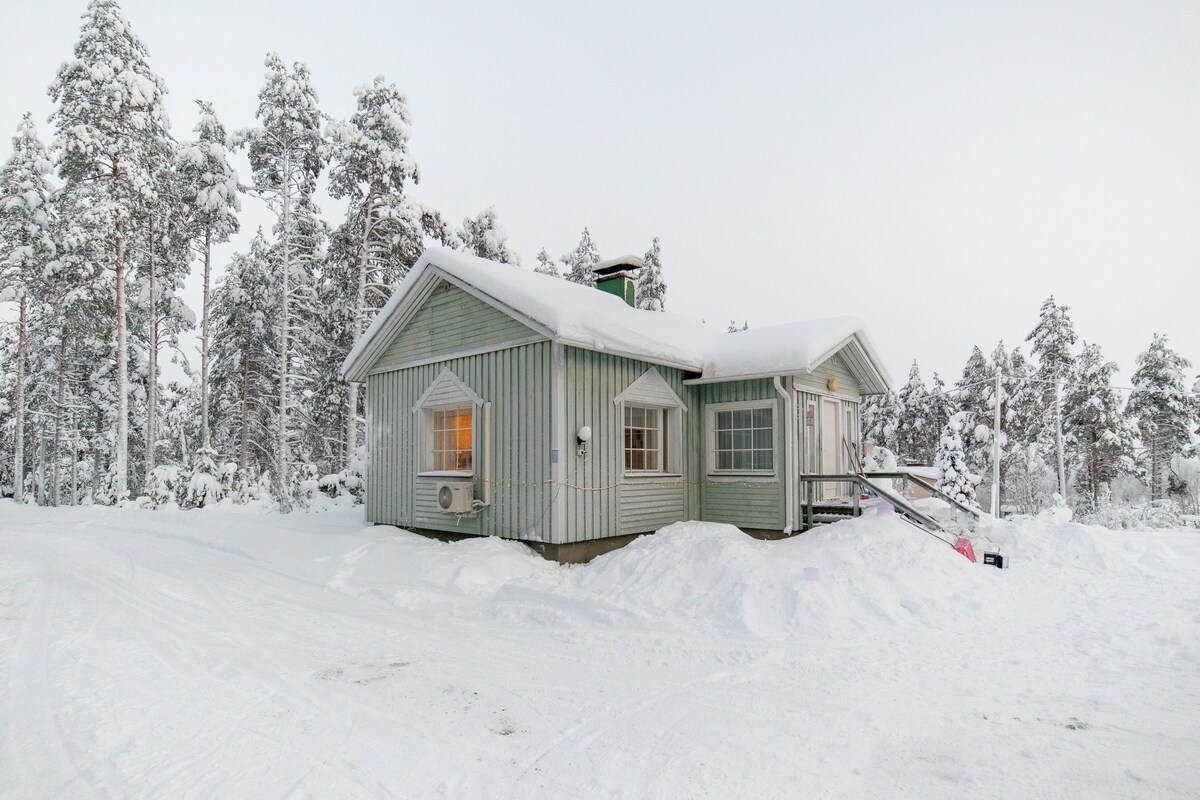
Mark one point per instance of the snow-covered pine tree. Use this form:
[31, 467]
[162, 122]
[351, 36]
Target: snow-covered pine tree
[913, 433]
[287, 153]
[1163, 409]
[210, 190]
[651, 290]
[1053, 339]
[484, 236]
[954, 476]
[112, 133]
[26, 248]
[546, 265]
[1099, 438]
[245, 360]
[371, 168]
[881, 420]
[941, 408]
[580, 261]
[974, 389]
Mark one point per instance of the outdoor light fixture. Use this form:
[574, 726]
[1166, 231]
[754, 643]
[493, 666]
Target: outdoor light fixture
[584, 436]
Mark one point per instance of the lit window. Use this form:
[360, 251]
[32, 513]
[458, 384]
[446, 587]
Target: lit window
[645, 439]
[743, 439]
[452, 439]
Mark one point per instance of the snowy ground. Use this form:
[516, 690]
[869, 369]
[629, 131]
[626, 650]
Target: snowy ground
[225, 654]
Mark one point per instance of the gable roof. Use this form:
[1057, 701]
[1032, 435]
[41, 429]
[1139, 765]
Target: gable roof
[584, 317]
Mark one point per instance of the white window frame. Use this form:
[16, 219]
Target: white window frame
[711, 438]
[651, 391]
[446, 393]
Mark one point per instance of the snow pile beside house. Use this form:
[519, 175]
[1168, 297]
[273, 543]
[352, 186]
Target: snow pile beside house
[709, 576]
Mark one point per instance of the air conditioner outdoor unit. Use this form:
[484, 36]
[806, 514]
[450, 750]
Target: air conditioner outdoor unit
[455, 497]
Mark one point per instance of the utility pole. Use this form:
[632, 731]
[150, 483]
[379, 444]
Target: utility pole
[996, 446]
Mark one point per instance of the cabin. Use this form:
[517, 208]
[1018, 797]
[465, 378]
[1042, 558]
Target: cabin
[503, 402]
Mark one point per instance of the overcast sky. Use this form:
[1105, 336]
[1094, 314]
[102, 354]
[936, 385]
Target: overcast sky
[935, 168]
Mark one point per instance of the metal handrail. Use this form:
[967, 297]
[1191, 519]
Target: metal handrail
[810, 481]
[931, 488]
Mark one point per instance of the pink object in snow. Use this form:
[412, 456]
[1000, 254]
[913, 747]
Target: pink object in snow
[963, 545]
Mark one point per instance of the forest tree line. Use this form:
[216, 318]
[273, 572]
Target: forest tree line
[101, 226]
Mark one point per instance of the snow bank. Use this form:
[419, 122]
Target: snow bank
[411, 570]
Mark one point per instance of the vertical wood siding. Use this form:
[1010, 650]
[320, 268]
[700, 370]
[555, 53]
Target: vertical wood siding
[600, 502]
[752, 503]
[818, 380]
[450, 321]
[516, 381]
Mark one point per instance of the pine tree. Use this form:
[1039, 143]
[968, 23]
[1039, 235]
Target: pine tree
[245, 349]
[1163, 408]
[1053, 337]
[954, 476]
[1100, 440]
[881, 420]
[112, 136]
[974, 389]
[580, 261]
[287, 154]
[546, 265]
[484, 236]
[384, 230]
[941, 408]
[651, 290]
[210, 190]
[26, 248]
[913, 433]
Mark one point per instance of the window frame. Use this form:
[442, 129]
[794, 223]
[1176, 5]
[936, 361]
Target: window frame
[711, 431]
[664, 450]
[452, 395]
[651, 391]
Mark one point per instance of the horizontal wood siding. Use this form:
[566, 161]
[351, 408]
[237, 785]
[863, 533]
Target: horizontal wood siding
[595, 488]
[516, 381]
[818, 380]
[752, 503]
[450, 321]
[649, 505]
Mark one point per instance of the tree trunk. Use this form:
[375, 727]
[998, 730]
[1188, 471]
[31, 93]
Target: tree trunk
[122, 443]
[152, 355]
[204, 311]
[244, 431]
[60, 406]
[360, 303]
[19, 402]
[281, 448]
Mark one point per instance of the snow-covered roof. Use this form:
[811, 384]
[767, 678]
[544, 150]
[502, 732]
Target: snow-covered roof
[594, 320]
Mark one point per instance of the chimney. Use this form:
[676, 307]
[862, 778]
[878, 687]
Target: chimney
[616, 275]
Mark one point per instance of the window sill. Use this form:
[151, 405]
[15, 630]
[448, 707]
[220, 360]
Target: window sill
[751, 477]
[448, 473]
[642, 476]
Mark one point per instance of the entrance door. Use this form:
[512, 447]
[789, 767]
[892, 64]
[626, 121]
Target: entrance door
[831, 441]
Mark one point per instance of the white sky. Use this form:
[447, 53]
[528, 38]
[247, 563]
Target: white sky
[937, 168]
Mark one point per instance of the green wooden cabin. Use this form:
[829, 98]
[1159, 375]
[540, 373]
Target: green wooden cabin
[502, 402]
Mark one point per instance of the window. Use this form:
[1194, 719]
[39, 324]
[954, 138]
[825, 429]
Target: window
[645, 439]
[651, 416]
[742, 438]
[452, 431]
[446, 418]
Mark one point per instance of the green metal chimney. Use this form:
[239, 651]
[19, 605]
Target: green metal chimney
[616, 276]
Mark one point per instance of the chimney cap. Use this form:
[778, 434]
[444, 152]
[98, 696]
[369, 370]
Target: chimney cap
[621, 265]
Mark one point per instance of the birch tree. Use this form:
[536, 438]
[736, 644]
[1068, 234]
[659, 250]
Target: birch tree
[111, 134]
[287, 153]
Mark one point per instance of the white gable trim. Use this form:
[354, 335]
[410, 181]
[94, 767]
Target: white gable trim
[447, 391]
[652, 389]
